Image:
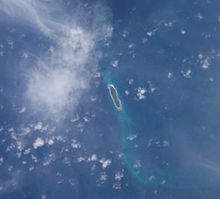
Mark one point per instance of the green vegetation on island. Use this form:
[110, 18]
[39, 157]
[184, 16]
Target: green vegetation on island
[114, 95]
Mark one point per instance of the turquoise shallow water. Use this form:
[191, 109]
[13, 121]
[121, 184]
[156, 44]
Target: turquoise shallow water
[143, 168]
[164, 146]
[130, 155]
[180, 41]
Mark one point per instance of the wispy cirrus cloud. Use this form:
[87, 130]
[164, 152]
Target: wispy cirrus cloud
[59, 76]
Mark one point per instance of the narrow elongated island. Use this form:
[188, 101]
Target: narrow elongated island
[114, 95]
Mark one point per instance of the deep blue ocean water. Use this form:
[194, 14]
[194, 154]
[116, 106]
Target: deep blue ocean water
[163, 58]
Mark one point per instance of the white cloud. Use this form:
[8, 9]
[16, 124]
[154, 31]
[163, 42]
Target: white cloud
[105, 162]
[39, 142]
[59, 76]
[18, 9]
[51, 90]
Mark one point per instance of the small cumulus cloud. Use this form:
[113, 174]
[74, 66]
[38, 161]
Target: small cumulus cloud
[39, 142]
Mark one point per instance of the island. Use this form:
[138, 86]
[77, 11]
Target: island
[114, 95]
